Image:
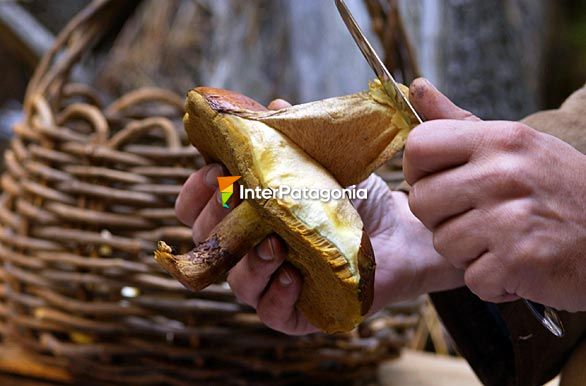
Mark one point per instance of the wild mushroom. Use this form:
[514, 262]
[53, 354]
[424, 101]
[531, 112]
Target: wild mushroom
[327, 144]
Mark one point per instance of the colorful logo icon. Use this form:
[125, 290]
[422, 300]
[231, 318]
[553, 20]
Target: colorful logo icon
[226, 185]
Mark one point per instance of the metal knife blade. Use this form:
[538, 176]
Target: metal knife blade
[389, 84]
[547, 316]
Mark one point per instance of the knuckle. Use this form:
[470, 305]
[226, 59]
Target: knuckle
[448, 242]
[515, 137]
[415, 144]
[237, 289]
[531, 255]
[474, 280]
[241, 287]
[241, 295]
[507, 176]
[441, 241]
[520, 215]
[254, 266]
[468, 116]
[271, 312]
[507, 172]
[245, 297]
[444, 242]
[416, 200]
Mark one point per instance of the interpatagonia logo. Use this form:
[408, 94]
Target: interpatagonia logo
[226, 185]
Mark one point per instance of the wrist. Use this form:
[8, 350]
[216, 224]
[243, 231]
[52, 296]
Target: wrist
[430, 271]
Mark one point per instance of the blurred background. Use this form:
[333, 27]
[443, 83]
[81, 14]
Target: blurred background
[499, 59]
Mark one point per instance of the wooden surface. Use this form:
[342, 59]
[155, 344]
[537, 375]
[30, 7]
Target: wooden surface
[424, 369]
[12, 380]
[16, 362]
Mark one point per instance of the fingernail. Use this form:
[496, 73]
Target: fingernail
[211, 177]
[266, 251]
[285, 278]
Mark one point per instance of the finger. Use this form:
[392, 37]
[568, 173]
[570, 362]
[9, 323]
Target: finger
[441, 144]
[486, 277]
[211, 215]
[250, 277]
[278, 104]
[378, 191]
[505, 298]
[432, 104]
[440, 196]
[276, 307]
[196, 192]
[462, 239]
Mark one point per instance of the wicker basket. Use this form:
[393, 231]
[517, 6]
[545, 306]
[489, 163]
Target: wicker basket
[89, 188]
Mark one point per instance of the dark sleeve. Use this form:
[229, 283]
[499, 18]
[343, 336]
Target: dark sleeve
[505, 344]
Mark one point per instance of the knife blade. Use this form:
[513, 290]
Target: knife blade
[547, 316]
[384, 76]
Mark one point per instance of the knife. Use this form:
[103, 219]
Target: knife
[547, 316]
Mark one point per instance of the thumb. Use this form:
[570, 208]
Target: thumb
[432, 104]
[278, 104]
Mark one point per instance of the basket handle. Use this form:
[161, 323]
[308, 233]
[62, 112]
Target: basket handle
[78, 37]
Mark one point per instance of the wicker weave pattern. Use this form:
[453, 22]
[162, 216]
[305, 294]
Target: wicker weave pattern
[89, 189]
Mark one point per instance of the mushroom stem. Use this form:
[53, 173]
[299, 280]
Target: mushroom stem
[228, 242]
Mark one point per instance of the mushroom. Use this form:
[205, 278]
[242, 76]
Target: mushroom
[328, 144]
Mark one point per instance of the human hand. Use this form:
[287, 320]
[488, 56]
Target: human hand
[407, 264]
[504, 202]
[261, 279]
